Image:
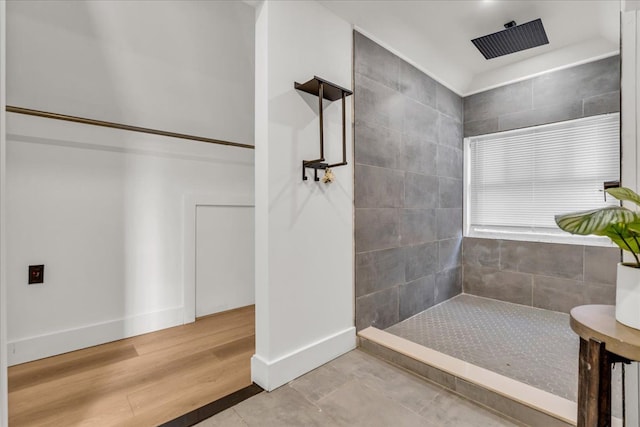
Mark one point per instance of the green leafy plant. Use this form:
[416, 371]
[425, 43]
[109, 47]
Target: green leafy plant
[618, 223]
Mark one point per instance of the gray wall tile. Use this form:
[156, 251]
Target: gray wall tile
[377, 187]
[602, 104]
[376, 62]
[549, 114]
[495, 102]
[449, 132]
[481, 252]
[402, 117]
[379, 309]
[481, 127]
[449, 223]
[376, 145]
[600, 264]
[577, 83]
[420, 191]
[564, 261]
[449, 253]
[551, 290]
[379, 270]
[417, 85]
[596, 293]
[420, 260]
[579, 91]
[502, 285]
[416, 296]
[377, 229]
[418, 226]
[418, 154]
[448, 284]
[450, 162]
[377, 104]
[450, 190]
[557, 294]
[447, 102]
[420, 120]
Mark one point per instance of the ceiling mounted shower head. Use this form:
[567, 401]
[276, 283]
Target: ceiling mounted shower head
[513, 38]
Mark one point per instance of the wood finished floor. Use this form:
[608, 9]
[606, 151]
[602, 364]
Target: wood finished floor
[141, 381]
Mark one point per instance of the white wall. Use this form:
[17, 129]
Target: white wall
[304, 229]
[224, 257]
[630, 110]
[3, 263]
[182, 66]
[104, 209]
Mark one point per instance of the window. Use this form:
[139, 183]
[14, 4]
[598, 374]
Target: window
[517, 181]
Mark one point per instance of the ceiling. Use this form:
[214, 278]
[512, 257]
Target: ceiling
[435, 35]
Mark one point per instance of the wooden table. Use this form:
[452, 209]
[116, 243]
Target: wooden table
[603, 341]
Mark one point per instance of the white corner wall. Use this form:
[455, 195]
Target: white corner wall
[4, 414]
[104, 209]
[304, 229]
[630, 112]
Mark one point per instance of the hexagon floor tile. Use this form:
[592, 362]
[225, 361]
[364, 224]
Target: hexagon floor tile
[531, 345]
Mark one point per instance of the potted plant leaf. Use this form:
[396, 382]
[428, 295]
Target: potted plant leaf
[622, 226]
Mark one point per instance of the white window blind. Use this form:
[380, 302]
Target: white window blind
[517, 181]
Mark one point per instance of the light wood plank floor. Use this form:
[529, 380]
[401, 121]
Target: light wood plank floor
[141, 381]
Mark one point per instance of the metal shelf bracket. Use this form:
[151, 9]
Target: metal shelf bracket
[324, 89]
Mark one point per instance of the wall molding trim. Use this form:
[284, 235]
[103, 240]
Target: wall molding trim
[271, 374]
[38, 347]
[191, 203]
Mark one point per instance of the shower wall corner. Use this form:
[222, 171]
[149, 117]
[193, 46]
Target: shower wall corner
[408, 188]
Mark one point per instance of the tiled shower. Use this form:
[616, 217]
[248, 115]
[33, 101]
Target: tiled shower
[410, 252]
[408, 190]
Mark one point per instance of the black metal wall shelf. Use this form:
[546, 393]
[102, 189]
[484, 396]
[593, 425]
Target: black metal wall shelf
[331, 91]
[324, 89]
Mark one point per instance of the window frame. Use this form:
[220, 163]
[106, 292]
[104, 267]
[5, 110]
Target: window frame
[561, 237]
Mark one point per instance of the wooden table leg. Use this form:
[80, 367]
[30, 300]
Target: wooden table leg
[594, 385]
[583, 383]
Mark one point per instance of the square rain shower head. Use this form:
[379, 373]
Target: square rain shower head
[512, 39]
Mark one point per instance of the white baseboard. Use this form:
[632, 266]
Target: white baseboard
[34, 348]
[272, 374]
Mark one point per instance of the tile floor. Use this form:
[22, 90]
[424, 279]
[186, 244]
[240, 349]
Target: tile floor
[531, 345]
[357, 389]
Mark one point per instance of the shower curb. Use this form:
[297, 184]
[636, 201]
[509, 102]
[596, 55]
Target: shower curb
[506, 396]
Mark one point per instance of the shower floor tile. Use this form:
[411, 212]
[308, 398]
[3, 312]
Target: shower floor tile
[531, 345]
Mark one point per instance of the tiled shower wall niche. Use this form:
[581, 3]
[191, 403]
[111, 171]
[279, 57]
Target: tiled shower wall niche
[545, 275]
[408, 188]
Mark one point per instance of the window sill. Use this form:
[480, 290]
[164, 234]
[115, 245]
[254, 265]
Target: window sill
[566, 239]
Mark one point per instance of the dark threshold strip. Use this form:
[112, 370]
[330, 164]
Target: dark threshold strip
[210, 409]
